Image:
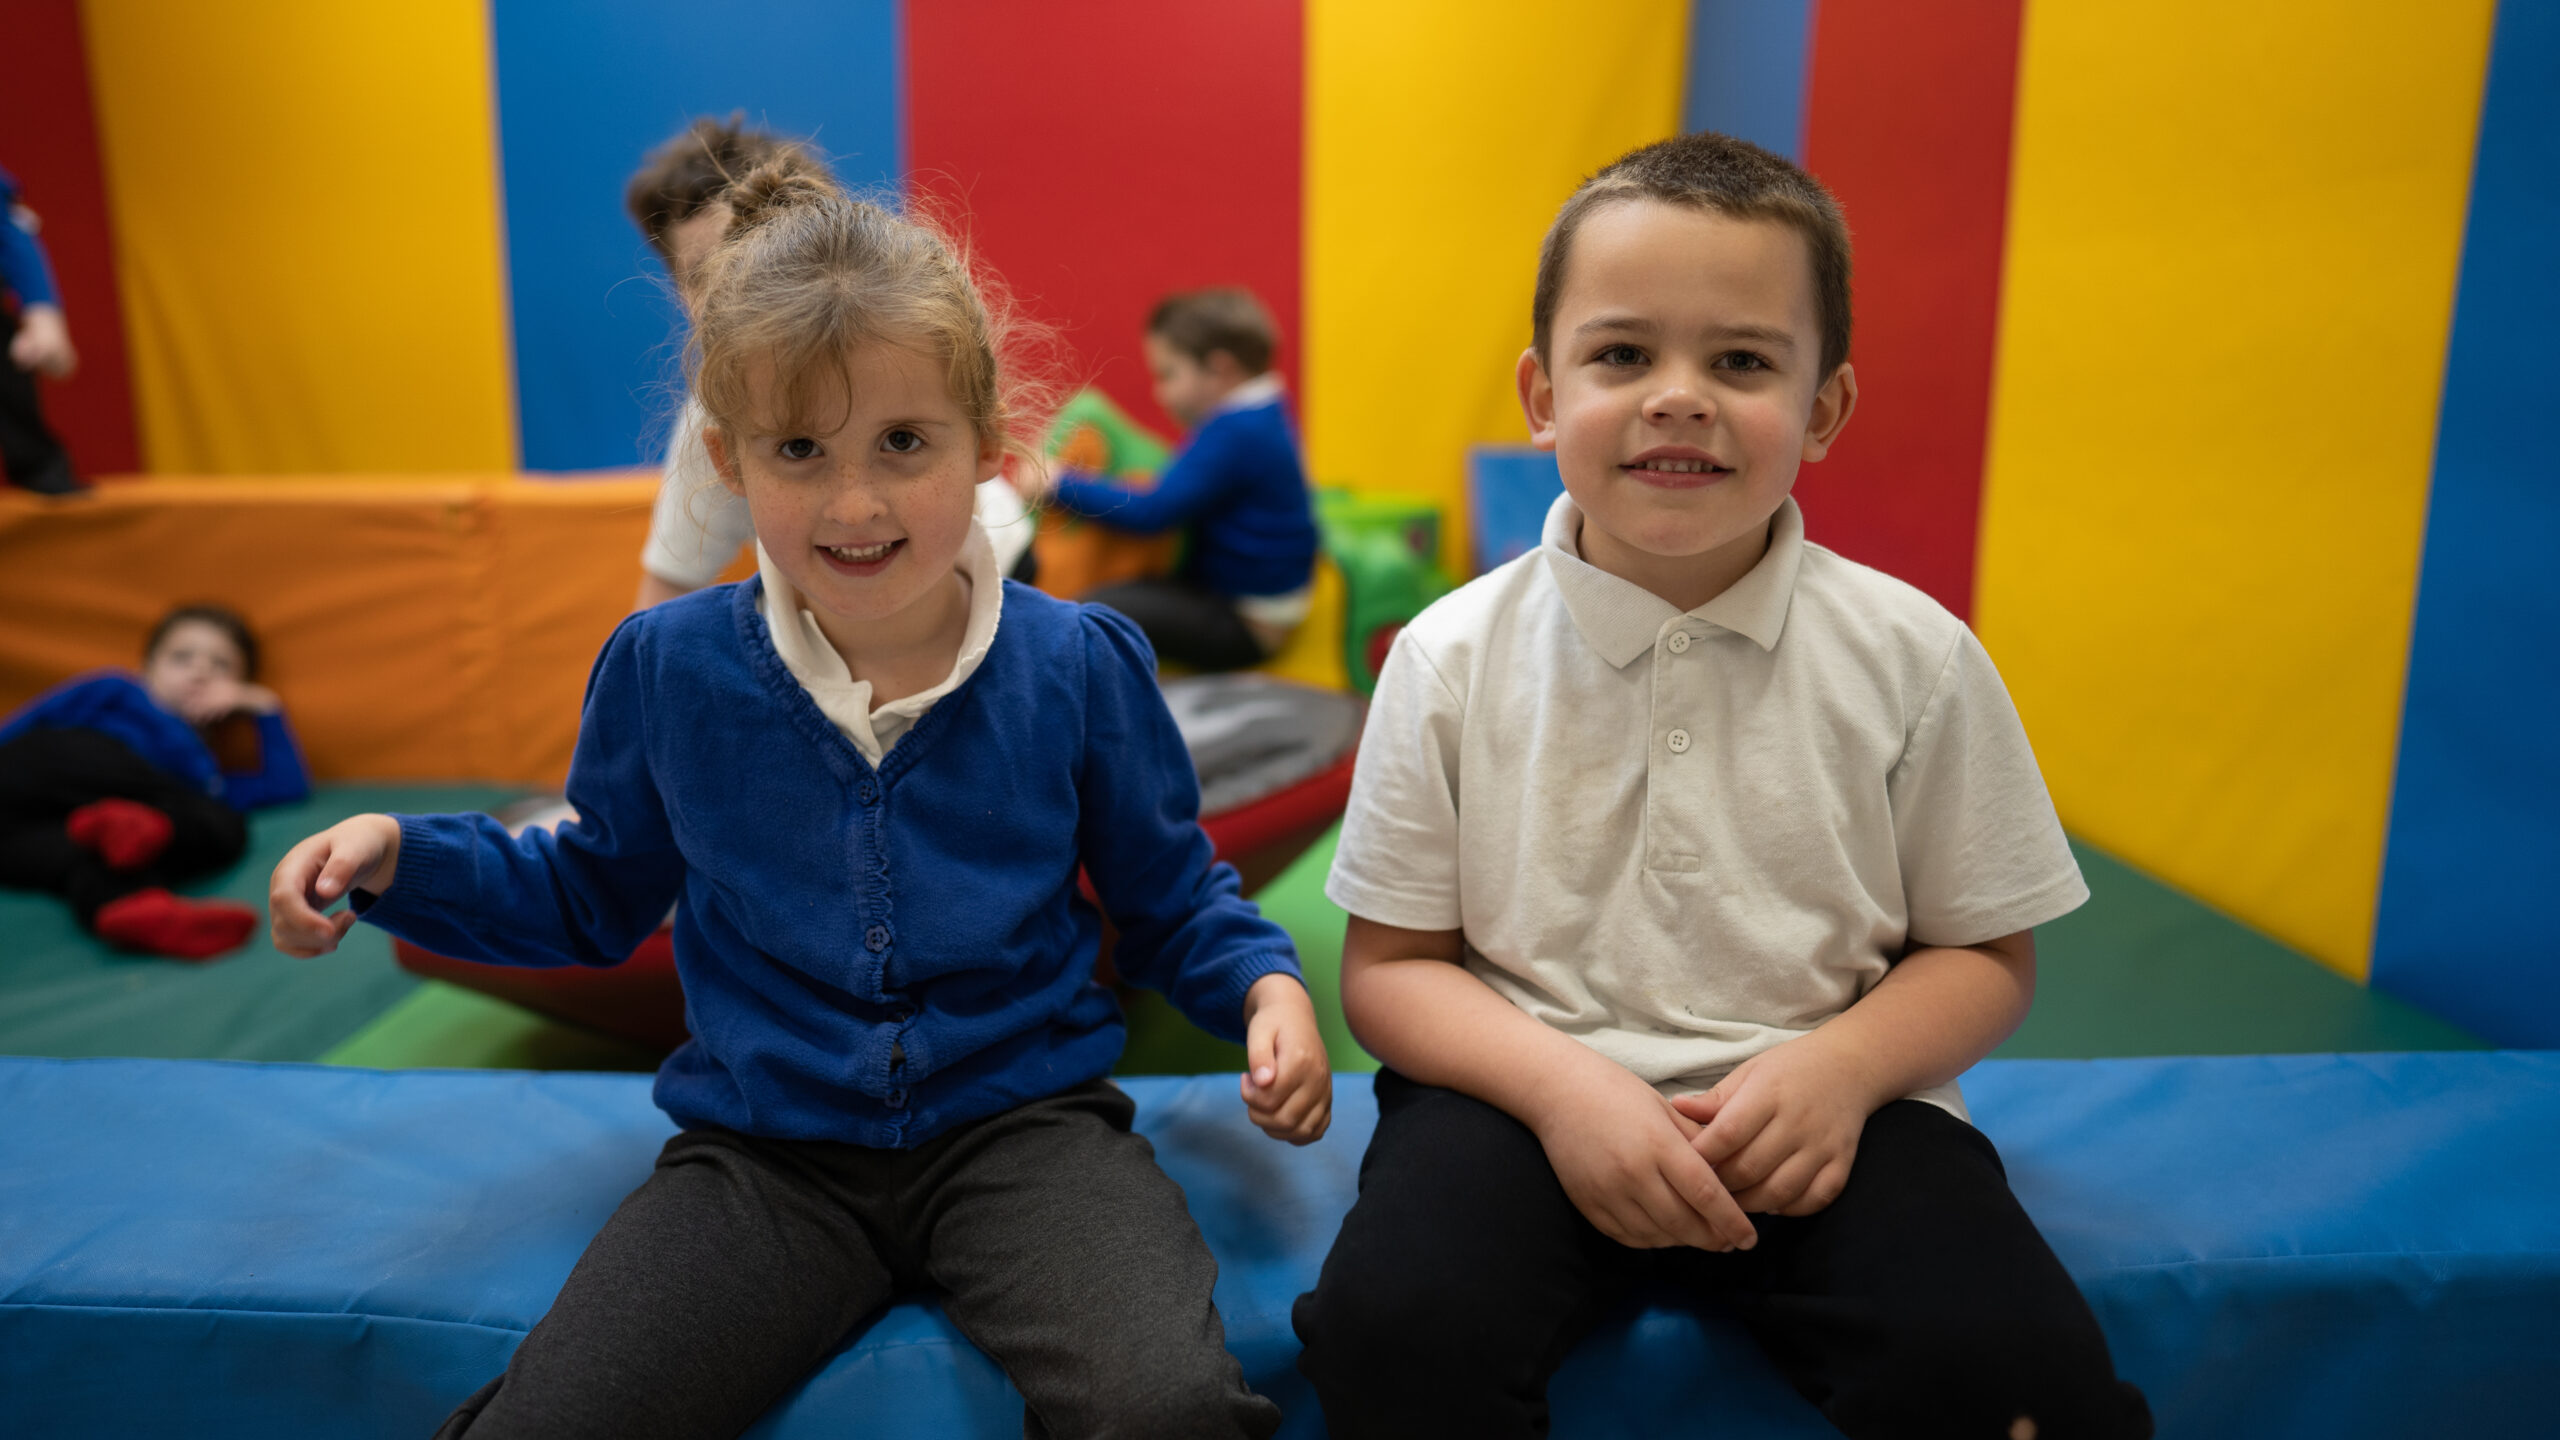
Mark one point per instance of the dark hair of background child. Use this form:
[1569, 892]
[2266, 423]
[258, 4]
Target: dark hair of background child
[683, 176]
[1199, 323]
[220, 617]
[1708, 171]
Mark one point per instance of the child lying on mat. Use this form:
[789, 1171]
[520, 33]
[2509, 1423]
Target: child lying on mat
[110, 790]
[873, 774]
[1238, 487]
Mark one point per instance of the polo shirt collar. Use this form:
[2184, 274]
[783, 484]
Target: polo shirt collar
[1621, 619]
[1262, 389]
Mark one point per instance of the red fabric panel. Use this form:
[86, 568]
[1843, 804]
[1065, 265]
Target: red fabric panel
[1101, 156]
[49, 140]
[1908, 121]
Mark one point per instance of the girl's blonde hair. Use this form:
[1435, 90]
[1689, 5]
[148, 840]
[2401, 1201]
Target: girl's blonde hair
[806, 272]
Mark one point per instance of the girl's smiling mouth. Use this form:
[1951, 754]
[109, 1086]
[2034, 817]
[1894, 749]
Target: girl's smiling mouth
[861, 560]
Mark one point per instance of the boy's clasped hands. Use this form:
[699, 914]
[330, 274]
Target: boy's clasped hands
[1776, 1136]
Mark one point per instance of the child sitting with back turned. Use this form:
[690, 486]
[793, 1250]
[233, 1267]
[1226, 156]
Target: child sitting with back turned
[111, 789]
[1247, 577]
[872, 773]
[1688, 865]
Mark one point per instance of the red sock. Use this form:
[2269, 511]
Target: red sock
[125, 833]
[156, 922]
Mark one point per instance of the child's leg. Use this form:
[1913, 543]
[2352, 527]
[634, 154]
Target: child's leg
[1071, 1258]
[714, 1288]
[1461, 1277]
[1186, 624]
[1922, 1302]
[49, 782]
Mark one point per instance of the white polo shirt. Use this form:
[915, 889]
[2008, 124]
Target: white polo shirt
[1685, 838]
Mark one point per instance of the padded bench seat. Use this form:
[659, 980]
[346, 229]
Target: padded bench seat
[2307, 1245]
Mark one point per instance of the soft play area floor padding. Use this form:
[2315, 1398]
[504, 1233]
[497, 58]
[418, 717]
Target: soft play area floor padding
[2318, 1246]
[2140, 970]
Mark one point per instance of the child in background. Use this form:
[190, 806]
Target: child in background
[873, 773]
[37, 341]
[697, 527]
[1688, 866]
[1239, 486]
[110, 791]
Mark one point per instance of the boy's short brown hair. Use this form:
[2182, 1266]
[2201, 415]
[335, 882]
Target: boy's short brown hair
[1199, 323]
[1708, 171]
[690, 169]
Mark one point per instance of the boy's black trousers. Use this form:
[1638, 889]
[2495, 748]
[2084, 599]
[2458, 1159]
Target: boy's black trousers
[1922, 1302]
[47, 773]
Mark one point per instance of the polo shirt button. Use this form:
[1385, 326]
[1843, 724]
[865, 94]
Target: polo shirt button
[876, 939]
[1678, 740]
[1679, 642]
[869, 790]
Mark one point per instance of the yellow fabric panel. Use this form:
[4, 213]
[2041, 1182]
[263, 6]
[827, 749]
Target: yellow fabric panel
[1314, 654]
[1441, 137]
[2233, 238]
[417, 627]
[305, 200]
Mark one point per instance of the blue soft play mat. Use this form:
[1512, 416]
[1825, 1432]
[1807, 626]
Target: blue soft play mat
[2305, 1245]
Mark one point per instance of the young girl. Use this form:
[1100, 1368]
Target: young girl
[872, 773]
[110, 790]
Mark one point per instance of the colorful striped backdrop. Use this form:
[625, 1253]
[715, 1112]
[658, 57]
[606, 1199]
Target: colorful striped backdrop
[2199, 344]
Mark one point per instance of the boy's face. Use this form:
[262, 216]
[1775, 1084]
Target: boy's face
[1189, 389]
[194, 658]
[1680, 392]
[866, 520]
[690, 241]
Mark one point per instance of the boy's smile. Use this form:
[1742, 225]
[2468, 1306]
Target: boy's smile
[1680, 393]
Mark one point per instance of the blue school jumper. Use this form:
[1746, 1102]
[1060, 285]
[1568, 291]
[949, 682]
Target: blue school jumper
[1240, 487]
[871, 956]
[116, 705]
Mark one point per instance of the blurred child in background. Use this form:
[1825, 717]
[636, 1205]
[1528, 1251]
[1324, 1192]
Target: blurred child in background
[110, 790]
[38, 342]
[1248, 573]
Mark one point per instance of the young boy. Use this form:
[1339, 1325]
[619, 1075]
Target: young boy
[1688, 865]
[1239, 484]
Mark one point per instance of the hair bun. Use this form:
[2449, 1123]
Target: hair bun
[790, 179]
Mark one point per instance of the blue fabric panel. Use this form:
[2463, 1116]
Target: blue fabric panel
[1509, 488]
[2303, 1245]
[1748, 60]
[585, 88]
[2464, 925]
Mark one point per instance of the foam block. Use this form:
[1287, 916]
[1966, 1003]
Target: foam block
[2306, 1245]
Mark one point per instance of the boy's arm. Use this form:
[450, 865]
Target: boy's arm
[1188, 487]
[1621, 1151]
[1782, 1129]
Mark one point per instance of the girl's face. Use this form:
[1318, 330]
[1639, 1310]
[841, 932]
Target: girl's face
[866, 519]
[192, 660]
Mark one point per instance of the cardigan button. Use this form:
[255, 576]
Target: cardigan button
[869, 790]
[876, 939]
[897, 1099]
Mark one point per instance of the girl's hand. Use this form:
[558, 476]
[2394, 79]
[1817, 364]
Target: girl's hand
[1288, 1080]
[358, 854]
[1624, 1156]
[1782, 1129]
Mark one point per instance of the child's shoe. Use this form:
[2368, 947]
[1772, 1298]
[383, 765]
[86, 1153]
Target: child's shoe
[125, 833]
[159, 923]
